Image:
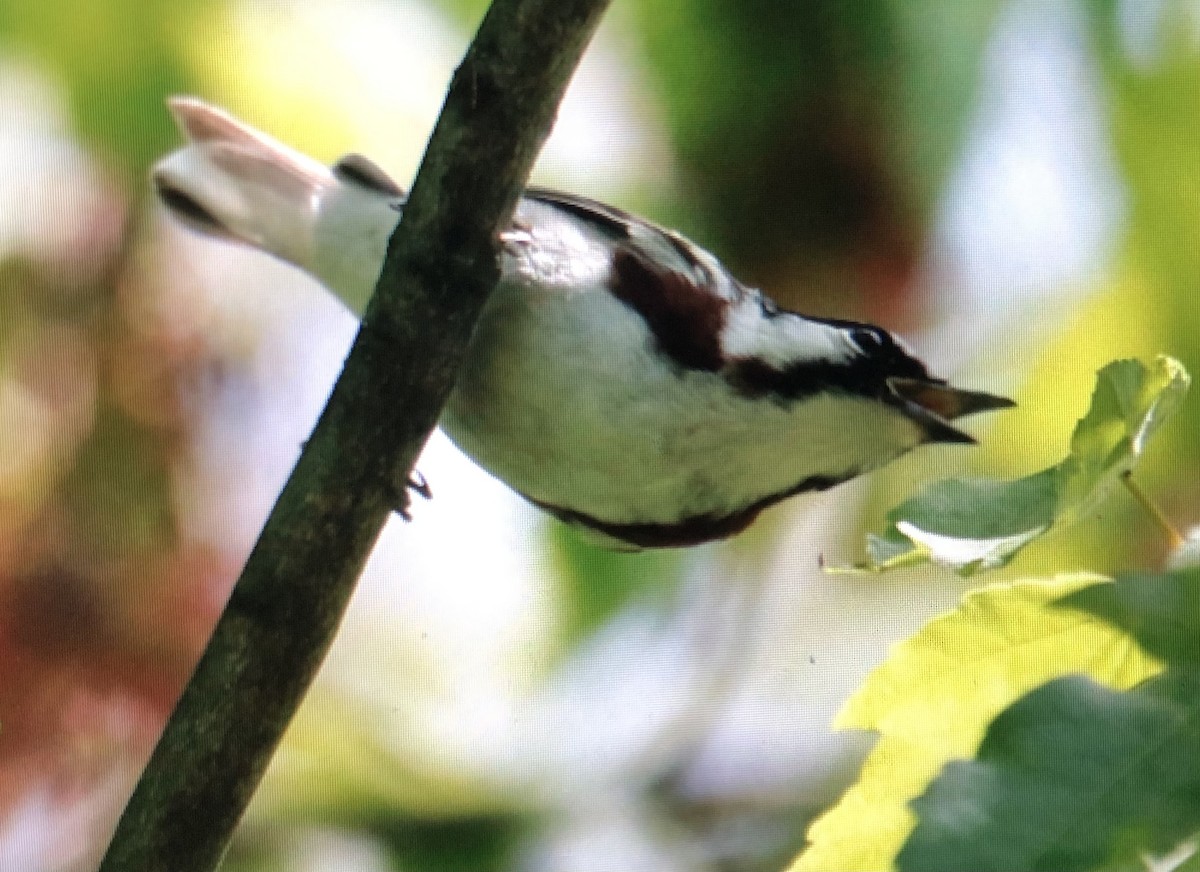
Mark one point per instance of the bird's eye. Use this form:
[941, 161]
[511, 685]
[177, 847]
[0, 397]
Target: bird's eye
[870, 339]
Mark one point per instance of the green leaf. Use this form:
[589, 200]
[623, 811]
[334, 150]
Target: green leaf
[933, 698]
[976, 524]
[117, 60]
[595, 583]
[481, 843]
[1162, 612]
[1079, 776]
[1072, 777]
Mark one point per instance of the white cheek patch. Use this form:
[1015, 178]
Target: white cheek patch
[781, 340]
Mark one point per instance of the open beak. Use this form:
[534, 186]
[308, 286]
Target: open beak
[948, 403]
[935, 404]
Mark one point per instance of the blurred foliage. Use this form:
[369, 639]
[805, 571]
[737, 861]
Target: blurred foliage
[596, 582]
[119, 489]
[468, 12]
[815, 137]
[1152, 104]
[814, 142]
[462, 845]
[474, 844]
[118, 58]
[345, 760]
[102, 607]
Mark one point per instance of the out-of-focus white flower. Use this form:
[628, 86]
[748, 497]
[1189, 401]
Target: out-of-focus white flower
[53, 829]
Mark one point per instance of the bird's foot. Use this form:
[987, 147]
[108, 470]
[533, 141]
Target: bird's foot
[418, 485]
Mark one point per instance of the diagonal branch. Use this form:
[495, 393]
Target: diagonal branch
[283, 613]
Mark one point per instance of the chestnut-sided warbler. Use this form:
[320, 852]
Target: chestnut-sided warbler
[619, 376]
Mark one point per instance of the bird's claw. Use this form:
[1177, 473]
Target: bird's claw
[418, 485]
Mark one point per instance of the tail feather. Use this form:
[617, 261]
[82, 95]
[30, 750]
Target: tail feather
[235, 183]
[202, 122]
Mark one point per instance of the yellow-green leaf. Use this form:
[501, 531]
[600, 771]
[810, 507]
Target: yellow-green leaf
[933, 698]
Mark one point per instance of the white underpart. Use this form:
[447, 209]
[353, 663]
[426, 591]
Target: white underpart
[564, 394]
[566, 399]
[559, 252]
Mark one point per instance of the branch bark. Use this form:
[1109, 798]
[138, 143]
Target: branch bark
[286, 607]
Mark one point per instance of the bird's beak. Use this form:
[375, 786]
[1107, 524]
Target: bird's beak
[935, 404]
[948, 403]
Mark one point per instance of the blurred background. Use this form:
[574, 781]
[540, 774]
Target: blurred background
[1013, 184]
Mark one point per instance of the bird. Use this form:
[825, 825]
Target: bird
[619, 376]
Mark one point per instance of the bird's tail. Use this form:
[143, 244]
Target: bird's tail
[233, 182]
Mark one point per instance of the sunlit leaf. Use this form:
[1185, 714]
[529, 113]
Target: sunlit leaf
[1072, 777]
[1076, 775]
[975, 524]
[933, 698]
